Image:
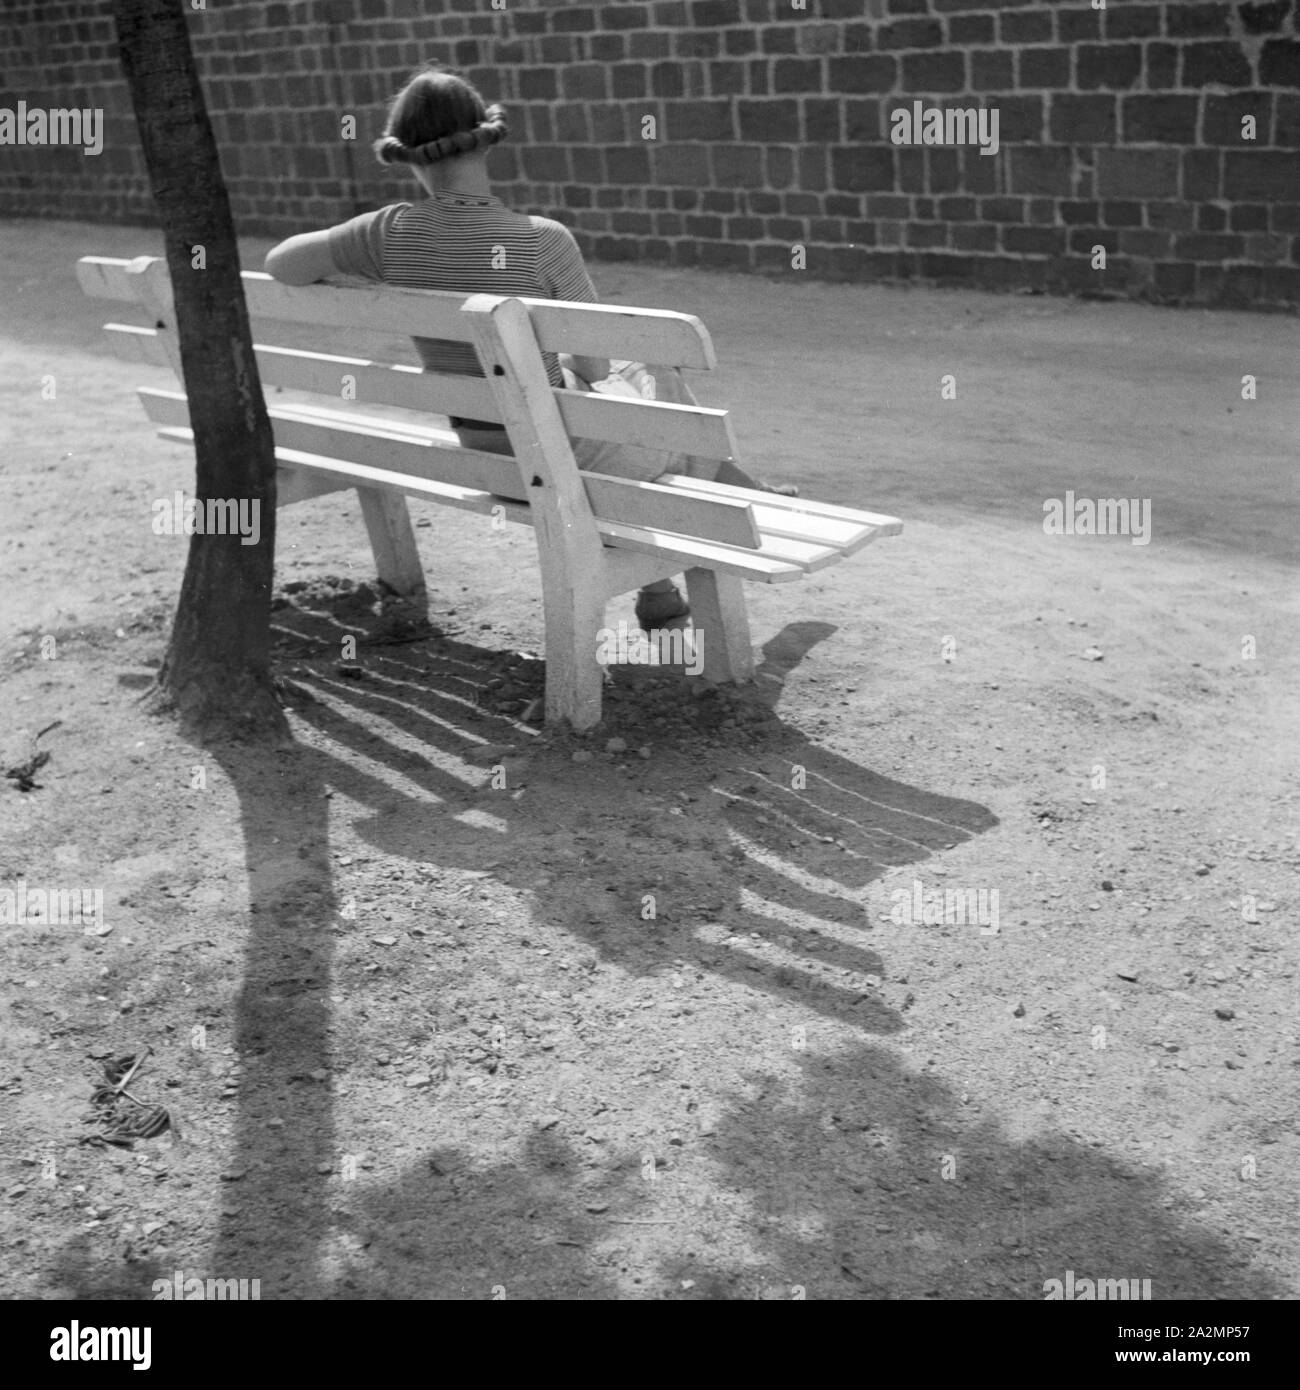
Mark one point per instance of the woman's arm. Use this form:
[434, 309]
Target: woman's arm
[302, 259]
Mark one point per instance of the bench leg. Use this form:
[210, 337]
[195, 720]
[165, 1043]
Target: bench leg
[397, 559]
[718, 616]
[574, 677]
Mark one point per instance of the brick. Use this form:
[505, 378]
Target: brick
[856, 169]
[1161, 67]
[979, 172]
[1263, 16]
[1034, 241]
[798, 75]
[1210, 218]
[737, 166]
[818, 38]
[627, 164]
[1026, 26]
[1113, 65]
[1202, 175]
[705, 14]
[764, 202]
[1286, 123]
[826, 229]
[699, 120]
[1168, 120]
[911, 171]
[1175, 279]
[538, 84]
[739, 41]
[581, 21]
[977, 237]
[971, 29]
[628, 80]
[697, 44]
[935, 72]
[630, 222]
[1121, 214]
[1078, 25]
[651, 44]
[1207, 246]
[681, 164]
[942, 170]
[1083, 239]
[1150, 245]
[1044, 67]
[776, 122]
[1222, 123]
[584, 82]
[888, 205]
[1173, 217]
[961, 209]
[1215, 64]
[926, 234]
[779, 163]
[1130, 21]
[547, 163]
[571, 124]
[1263, 175]
[1083, 120]
[876, 72]
[1248, 217]
[1125, 173]
[1279, 63]
[812, 169]
[1002, 209]
[991, 71]
[624, 16]
[1194, 21]
[786, 229]
[704, 228]
[802, 205]
[779, 40]
[910, 33]
[1042, 169]
[726, 79]
[759, 77]
[821, 119]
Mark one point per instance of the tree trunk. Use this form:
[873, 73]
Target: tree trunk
[217, 669]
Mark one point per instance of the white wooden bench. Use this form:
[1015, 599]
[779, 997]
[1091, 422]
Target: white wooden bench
[597, 536]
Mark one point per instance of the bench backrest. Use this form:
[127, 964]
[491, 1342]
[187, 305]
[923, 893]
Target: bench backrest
[542, 420]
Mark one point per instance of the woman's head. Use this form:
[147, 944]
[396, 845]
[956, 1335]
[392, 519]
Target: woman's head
[438, 115]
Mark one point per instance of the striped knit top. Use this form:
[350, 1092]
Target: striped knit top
[468, 245]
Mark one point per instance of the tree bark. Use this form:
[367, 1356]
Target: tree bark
[217, 669]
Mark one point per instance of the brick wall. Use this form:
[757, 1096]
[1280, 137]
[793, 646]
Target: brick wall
[1120, 128]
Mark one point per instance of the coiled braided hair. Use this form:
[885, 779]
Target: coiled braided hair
[438, 115]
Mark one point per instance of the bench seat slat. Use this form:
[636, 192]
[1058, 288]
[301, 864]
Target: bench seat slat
[732, 560]
[884, 525]
[435, 456]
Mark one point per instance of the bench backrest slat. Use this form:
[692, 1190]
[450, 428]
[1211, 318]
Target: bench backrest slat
[587, 415]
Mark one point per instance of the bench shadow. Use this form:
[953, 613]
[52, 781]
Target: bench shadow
[801, 832]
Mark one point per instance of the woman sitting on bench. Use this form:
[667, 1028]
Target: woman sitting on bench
[462, 239]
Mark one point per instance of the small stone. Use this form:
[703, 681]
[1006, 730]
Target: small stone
[1126, 972]
[384, 940]
[582, 756]
[616, 745]
[324, 1168]
[16, 1191]
[1224, 1014]
[418, 1079]
[1094, 654]
[643, 751]
[1018, 1011]
[596, 1208]
[320, 1074]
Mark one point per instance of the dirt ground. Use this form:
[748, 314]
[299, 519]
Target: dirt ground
[416, 1033]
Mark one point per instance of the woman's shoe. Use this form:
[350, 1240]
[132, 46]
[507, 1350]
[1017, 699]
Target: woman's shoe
[657, 606]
